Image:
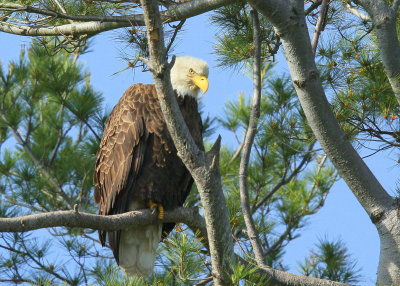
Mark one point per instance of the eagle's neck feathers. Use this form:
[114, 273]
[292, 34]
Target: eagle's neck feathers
[185, 90]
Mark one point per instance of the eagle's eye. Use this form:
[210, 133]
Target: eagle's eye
[191, 71]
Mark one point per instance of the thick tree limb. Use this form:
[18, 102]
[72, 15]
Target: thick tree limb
[282, 278]
[289, 21]
[384, 19]
[357, 12]
[204, 167]
[92, 25]
[75, 29]
[73, 218]
[248, 143]
[188, 216]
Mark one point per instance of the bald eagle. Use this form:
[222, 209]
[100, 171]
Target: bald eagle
[138, 167]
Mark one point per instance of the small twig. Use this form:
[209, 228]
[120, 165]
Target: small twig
[177, 29]
[37, 162]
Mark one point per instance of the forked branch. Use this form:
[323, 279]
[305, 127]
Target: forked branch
[204, 167]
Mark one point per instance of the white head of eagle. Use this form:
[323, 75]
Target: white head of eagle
[189, 76]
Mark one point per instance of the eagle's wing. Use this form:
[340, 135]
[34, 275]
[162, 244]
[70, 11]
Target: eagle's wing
[122, 150]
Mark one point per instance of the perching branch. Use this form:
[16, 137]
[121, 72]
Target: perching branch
[248, 143]
[74, 218]
[204, 167]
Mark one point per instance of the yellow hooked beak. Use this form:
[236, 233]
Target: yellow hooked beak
[201, 82]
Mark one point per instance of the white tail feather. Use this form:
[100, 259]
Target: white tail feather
[138, 247]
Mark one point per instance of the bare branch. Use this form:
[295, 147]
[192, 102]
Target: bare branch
[98, 24]
[282, 278]
[204, 167]
[289, 22]
[177, 28]
[87, 28]
[249, 140]
[320, 24]
[384, 19]
[353, 10]
[72, 218]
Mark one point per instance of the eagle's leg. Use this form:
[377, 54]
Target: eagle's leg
[160, 208]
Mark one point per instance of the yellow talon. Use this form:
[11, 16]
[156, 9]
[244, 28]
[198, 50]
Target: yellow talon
[160, 211]
[152, 205]
[160, 208]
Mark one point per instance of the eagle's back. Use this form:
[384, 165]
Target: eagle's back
[137, 159]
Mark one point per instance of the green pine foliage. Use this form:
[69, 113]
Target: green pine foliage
[235, 39]
[362, 98]
[51, 120]
[287, 178]
[331, 260]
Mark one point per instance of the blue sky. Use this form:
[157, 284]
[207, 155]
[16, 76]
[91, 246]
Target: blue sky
[341, 217]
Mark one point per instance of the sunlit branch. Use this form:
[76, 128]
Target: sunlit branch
[74, 218]
[249, 140]
[320, 25]
[356, 12]
[92, 24]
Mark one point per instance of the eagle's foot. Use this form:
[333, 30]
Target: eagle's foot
[154, 206]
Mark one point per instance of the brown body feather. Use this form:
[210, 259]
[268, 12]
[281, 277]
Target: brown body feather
[138, 160]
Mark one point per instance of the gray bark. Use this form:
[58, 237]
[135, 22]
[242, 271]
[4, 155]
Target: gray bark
[289, 22]
[389, 256]
[93, 25]
[74, 218]
[384, 19]
[248, 144]
[204, 167]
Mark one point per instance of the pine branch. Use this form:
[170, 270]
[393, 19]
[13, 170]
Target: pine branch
[285, 180]
[44, 170]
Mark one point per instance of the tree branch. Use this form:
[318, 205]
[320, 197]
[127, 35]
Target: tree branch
[44, 170]
[248, 143]
[285, 179]
[73, 218]
[289, 22]
[320, 24]
[384, 19]
[357, 12]
[97, 24]
[204, 167]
